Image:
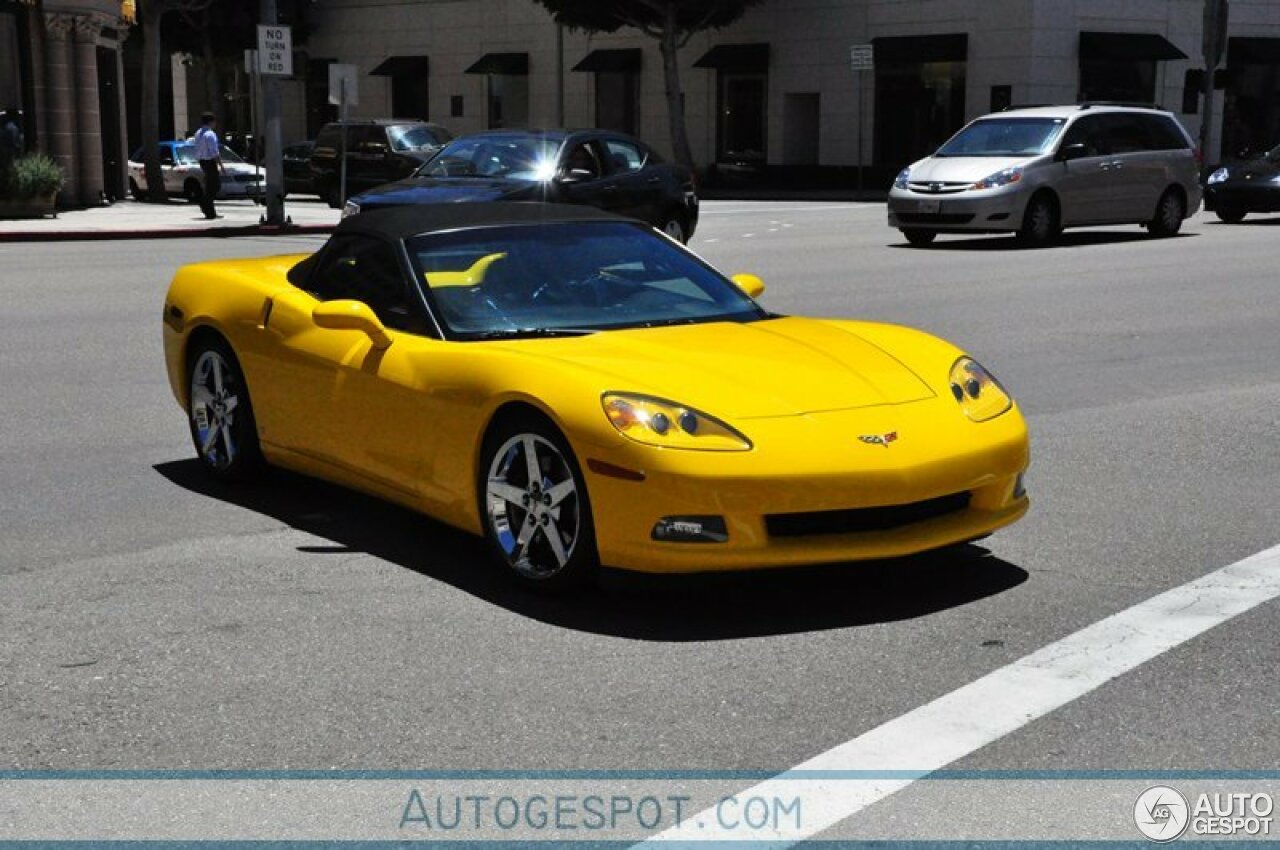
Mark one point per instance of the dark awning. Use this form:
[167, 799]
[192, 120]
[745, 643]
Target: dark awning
[1127, 46]
[611, 60]
[917, 49]
[501, 63]
[747, 58]
[397, 66]
[1253, 51]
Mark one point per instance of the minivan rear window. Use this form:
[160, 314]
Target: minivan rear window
[1004, 137]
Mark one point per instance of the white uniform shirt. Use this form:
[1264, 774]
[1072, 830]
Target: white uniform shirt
[206, 143]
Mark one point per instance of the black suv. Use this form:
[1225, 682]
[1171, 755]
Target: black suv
[378, 151]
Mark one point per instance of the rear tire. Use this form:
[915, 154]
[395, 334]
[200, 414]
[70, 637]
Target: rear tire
[537, 527]
[1040, 225]
[920, 238]
[1230, 215]
[673, 225]
[1169, 213]
[219, 412]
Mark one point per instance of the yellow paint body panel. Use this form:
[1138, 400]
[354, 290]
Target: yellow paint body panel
[406, 422]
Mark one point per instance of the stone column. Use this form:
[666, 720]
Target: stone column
[88, 115]
[60, 127]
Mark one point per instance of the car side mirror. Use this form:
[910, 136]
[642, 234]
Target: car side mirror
[576, 175]
[351, 315]
[1069, 152]
[750, 284]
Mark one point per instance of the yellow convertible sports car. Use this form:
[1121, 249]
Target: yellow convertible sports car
[580, 389]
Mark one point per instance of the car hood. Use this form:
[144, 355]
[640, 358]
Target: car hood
[445, 190]
[1252, 172]
[777, 367]
[962, 169]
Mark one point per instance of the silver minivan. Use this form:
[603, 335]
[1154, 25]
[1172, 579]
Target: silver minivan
[1037, 170]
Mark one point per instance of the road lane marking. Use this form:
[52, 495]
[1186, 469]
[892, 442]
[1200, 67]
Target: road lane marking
[769, 209]
[987, 709]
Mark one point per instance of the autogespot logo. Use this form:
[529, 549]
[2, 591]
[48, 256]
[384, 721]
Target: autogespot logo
[1161, 813]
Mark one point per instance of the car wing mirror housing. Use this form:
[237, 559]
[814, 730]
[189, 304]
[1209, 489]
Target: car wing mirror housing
[350, 315]
[1070, 152]
[750, 284]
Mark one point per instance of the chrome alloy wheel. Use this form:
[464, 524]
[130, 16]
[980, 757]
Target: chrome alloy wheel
[674, 229]
[215, 401]
[533, 506]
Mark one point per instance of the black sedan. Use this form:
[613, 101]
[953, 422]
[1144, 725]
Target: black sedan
[297, 169]
[1251, 186]
[594, 167]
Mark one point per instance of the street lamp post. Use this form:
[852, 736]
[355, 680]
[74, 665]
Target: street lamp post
[271, 119]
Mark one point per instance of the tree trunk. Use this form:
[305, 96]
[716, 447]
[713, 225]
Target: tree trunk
[675, 101]
[151, 15]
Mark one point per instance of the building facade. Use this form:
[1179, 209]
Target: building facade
[778, 88]
[60, 66]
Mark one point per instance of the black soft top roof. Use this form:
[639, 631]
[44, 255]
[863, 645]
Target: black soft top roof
[413, 219]
[404, 222]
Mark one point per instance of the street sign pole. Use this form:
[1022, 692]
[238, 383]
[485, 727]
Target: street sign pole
[1214, 43]
[342, 159]
[275, 53]
[861, 59]
[343, 93]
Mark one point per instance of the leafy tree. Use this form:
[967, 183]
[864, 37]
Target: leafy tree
[671, 22]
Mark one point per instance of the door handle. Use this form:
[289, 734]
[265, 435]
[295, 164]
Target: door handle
[654, 180]
[1118, 164]
[1105, 166]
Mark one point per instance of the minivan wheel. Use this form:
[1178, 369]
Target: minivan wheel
[1039, 222]
[920, 238]
[1231, 215]
[1169, 212]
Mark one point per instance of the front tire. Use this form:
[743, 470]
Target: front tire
[1230, 215]
[1039, 222]
[534, 505]
[1169, 214]
[920, 238]
[220, 414]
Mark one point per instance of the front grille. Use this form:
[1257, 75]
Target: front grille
[948, 188]
[856, 520]
[935, 218]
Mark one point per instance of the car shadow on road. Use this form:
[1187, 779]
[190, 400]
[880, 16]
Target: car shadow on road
[1256, 222]
[1072, 239]
[641, 607]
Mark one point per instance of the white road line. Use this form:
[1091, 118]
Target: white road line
[956, 724]
[770, 209]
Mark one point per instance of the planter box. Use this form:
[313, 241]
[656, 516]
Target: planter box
[37, 207]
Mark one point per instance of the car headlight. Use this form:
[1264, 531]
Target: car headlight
[1218, 176]
[658, 422]
[1000, 178]
[900, 182]
[977, 391]
[350, 208]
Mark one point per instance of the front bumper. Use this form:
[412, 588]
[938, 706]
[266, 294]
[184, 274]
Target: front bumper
[1249, 197]
[997, 210]
[788, 473]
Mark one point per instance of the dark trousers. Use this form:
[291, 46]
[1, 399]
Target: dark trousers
[212, 186]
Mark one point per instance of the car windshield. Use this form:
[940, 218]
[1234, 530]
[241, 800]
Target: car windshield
[569, 278]
[411, 138]
[186, 154]
[1004, 137]
[513, 157]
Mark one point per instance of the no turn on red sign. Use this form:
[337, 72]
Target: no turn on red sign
[275, 50]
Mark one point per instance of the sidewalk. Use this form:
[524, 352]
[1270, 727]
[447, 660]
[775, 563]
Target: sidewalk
[130, 219]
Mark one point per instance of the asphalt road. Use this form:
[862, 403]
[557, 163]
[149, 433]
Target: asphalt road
[149, 619]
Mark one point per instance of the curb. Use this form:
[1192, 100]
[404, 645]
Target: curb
[170, 233]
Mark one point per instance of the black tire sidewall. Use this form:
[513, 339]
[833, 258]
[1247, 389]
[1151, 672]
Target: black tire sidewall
[584, 562]
[1158, 226]
[249, 460]
[1026, 234]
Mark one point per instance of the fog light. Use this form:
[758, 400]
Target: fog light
[690, 529]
